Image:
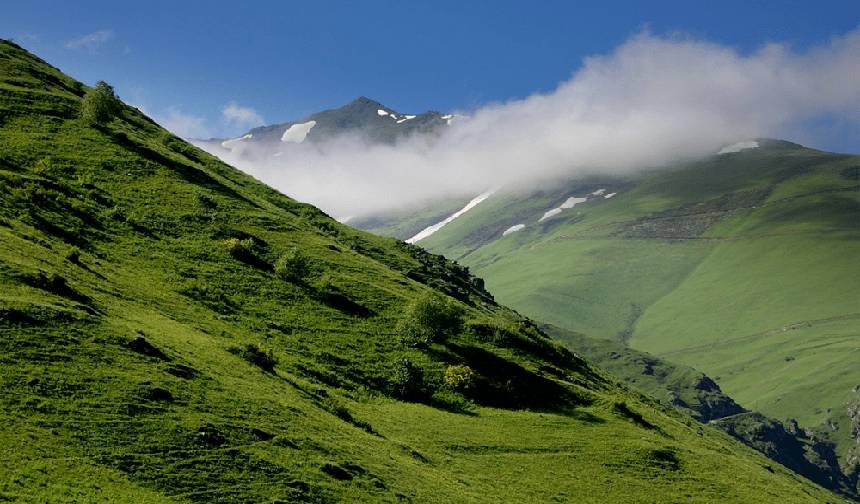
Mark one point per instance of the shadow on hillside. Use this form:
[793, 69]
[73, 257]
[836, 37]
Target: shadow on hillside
[506, 384]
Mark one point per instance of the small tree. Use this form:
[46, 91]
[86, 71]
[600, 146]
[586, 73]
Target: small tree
[294, 266]
[99, 104]
[430, 319]
[407, 380]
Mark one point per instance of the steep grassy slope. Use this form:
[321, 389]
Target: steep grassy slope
[151, 351]
[743, 265]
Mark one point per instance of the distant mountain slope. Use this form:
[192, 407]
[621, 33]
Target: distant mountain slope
[174, 331]
[362, 117]
[743, 265]
[807, 452]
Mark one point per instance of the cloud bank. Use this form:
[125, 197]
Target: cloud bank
[653, 100]
[234, 118]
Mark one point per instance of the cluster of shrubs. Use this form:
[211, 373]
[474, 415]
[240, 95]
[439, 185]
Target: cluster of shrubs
[409, 381]
[292, 266]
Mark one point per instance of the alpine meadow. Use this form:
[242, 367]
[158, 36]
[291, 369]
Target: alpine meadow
[504, 282]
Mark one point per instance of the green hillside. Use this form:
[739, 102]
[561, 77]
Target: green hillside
[743, 265]
[172, 330]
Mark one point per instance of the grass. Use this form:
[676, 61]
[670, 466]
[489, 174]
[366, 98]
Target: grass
[164, 364]
[743, 266]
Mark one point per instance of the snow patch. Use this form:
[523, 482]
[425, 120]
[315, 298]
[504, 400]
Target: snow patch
[513, 229]
[429, 230]
[610, 195]
[297, 132]
[229, 144]
[598, 192]
[550, 213]
[737, 147]
[381, 112]
[405, 118]
[568, 203]
[572, 201]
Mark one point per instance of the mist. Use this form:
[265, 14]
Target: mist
[653, 100]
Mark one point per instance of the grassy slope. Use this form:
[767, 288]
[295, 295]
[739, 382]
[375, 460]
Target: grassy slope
[763, 297]
[90, 412]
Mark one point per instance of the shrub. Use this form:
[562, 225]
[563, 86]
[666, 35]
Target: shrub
[294, 266]
[99, 104]
[240, 249]
[205, 201]
[430, 319]
[408, 380]
[73, 255]
[459, 377]
[263, 359]
[42, 166]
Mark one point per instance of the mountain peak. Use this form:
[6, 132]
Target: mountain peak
[365, 103]
[363, 100]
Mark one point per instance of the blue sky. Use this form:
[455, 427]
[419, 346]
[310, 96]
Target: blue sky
[276, 61]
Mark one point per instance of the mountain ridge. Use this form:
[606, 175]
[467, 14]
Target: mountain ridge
[362, 117]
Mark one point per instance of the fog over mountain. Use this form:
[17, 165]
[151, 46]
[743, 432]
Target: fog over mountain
[653, 100]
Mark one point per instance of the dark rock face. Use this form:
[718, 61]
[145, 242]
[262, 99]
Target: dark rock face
[706, 383]
[851, 464]
[807, 456]
[690, 221]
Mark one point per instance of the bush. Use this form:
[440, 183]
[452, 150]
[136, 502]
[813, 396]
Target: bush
[294, 266]
[430, 319]
[459, 377]
[263, 359]
[407, 381]
[205, 201]
[73, 255]
[240, 249]
[100, 104]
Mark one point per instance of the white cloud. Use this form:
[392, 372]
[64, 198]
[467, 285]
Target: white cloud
[651, 101]
[184, 125]
[90, 41]
[240, 117]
